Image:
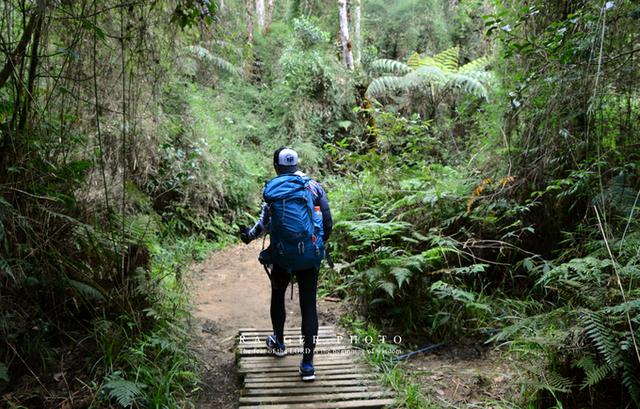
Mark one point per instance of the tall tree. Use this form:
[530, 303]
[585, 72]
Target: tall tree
[260, 13]
[357, 37]
[344, 34]
[249, 22]
[267, 20]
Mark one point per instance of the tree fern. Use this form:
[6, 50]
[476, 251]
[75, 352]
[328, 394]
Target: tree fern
[438, 75]
[392, 65]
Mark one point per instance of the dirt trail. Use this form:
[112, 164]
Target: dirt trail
[232, 291]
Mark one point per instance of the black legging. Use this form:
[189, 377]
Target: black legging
[307, 283]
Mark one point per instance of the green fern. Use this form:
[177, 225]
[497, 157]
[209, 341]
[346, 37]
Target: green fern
[556, 382]
[86, 290]
[123, 391]
[137, 229]
[6, 268]
[630, 381]
[401, 274]
[388, 287]
[603, 338]
[4, 372]
[595, 375]
[202, 53]
[440, 74]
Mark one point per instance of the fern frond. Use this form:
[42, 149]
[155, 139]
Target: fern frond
[478, 65]
[383, 85]
[6, 268]
[603, 337]
[557, 382]
[595, 375]
[586, 362]
[631, 382]
[136, 228]
[415, 61]
[374, 272]
[4, 373]
[86, 290]
[585, 269]
[402, 275]
[391, 66]
[388, 287]
[468, 84]
[447, 60]
[123, 391]
[632, 307]
[223, 65]
[202, 53]
[419, 81]
[433, 74]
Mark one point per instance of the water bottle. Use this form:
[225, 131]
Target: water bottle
[317, 221]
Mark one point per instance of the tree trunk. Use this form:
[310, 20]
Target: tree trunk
[13, 58]
[344, 34]
[249, 22]
[267, 20]
[260, 13]
[357, 38]
[33, 66]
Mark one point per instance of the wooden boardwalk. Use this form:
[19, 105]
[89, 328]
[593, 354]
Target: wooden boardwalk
[274, 382]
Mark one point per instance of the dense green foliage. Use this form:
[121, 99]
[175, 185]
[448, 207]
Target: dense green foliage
[480, 163]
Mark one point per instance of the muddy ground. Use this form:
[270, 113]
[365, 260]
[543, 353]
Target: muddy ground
[232, 291]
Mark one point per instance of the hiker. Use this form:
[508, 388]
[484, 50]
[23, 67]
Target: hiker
[285, 162]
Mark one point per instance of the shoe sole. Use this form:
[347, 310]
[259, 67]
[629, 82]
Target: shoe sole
[307, 377]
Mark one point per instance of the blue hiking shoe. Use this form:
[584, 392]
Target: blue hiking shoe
[307, 372]
[275, 348]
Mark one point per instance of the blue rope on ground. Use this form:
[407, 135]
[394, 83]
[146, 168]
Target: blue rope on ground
[417, 352]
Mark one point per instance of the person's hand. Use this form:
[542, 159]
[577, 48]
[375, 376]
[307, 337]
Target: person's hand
[246, 235]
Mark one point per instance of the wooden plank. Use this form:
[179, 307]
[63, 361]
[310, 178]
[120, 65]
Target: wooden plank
[296, 343]
[352, 404]
[325, 368]
[293, 383]
[292, 333]
[274, 382]
[267, 400]
[263, 352]
[291, 375]
[291, 360]
[330, 370]
[310, 390]
[325, 328]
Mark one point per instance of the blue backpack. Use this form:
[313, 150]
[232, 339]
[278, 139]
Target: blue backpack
[295, 233]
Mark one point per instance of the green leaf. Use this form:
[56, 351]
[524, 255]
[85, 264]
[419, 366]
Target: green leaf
[89, 25]
[64, 90]
[4, 373]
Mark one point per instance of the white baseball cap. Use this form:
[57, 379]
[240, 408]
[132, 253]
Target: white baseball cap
[286, 159]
